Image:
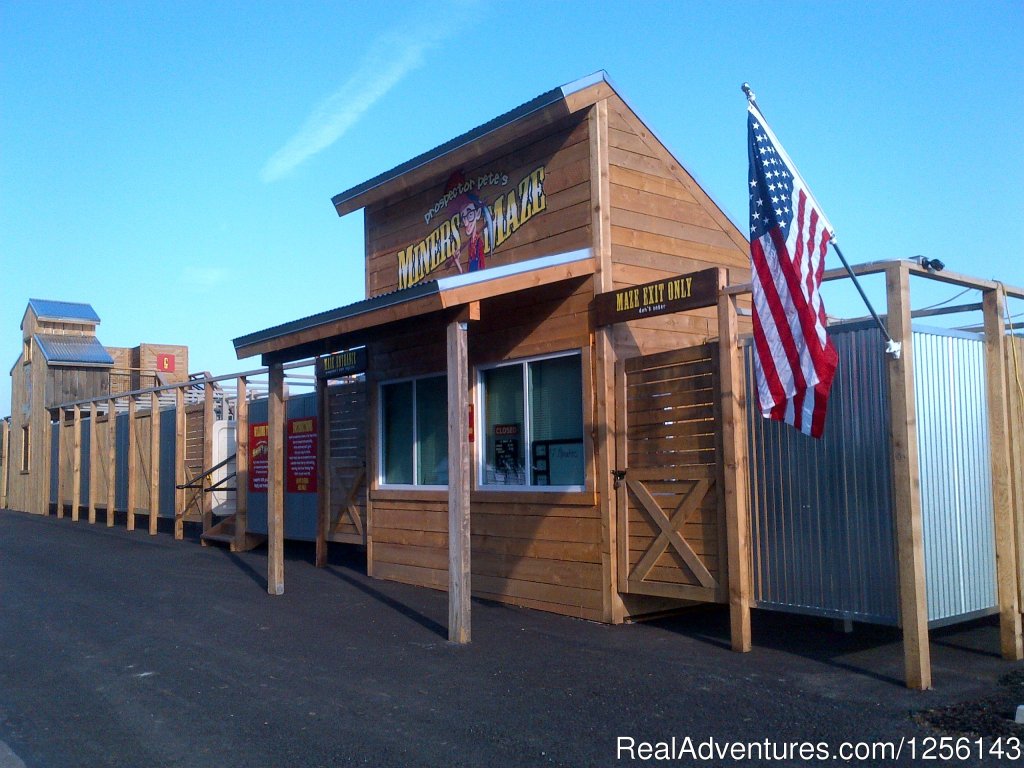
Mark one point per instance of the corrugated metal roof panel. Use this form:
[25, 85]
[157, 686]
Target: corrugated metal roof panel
[73, 350]
[47, 309]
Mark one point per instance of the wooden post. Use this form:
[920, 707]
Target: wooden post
[5, 463]
[133, 480]
[62, 441]
[76, 462]
[207, 498]
[993, 305]
[612, 608]
[459, 585]
[179, 463]
[111, 460]
[907, 485]
[371, 459]
[94, 459]
[241, 463]
[154, 462]
[734, 445]
[275, 481]
[323, 495]
[1015, 400]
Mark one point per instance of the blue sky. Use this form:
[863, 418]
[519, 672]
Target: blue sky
[172, 163]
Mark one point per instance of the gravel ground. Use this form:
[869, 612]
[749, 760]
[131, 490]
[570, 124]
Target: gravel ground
[122, 649]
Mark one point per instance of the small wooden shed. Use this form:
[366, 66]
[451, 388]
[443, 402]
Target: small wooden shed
[493, 383]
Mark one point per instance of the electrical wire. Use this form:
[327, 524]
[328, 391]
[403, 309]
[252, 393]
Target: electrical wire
[951, 298]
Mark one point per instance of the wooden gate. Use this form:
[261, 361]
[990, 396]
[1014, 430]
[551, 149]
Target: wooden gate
[672, 535]
[347, 404]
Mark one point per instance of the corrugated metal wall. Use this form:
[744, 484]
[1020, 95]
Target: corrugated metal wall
[956, 489]
[821, 510]
[821, 523]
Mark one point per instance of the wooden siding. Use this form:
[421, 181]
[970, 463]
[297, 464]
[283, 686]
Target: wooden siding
[65, 384]
[535, 549]
[563, 226]
[662, 224]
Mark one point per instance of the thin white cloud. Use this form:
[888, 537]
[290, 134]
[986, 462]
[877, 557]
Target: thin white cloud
[204, 279]
[391, 57]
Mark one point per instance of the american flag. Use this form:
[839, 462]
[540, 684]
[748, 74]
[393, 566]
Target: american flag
[795, 361]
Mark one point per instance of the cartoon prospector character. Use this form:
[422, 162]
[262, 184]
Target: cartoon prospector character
[473, 215]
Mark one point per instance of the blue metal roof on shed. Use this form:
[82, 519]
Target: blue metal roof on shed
[47, 309]
[73, 350]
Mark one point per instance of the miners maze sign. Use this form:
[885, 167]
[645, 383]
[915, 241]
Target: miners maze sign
[470, 221]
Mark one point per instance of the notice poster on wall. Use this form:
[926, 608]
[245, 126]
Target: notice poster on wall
[259, 451]
[300, 465]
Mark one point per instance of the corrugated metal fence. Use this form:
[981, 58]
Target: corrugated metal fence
[822, 519]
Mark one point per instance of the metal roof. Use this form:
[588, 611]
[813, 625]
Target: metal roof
[47, 309]
[73, 350]
[546, 99]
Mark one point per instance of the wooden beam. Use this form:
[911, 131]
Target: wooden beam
[612, 608]
[207, 498]
[179, 463]
[154, 461]
[907, 484]
[1002, 499]
[736, 483]
[459, 584]
[371, 458]
[323, 494]
[241, 462]
[94, 459]
[1015, 398]
[62, 480]
[133, 463]
[912, 268]
[5, 465]
[76, 462]
[111, 460]
[275, 482]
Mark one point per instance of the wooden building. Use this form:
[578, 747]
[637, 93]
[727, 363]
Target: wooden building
[494, 385]
[63, 361]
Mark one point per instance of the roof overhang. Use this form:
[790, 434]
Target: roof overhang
[362, 321]
[537, 113]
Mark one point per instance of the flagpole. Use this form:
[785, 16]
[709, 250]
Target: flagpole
[891, 347]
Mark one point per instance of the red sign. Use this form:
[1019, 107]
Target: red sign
[259, 453]
[301, 459]
[165, 363]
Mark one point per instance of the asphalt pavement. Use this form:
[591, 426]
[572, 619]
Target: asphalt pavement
[122, 649]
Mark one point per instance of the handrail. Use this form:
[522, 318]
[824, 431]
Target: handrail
[206, 473]
[216, 486]
[181, 385]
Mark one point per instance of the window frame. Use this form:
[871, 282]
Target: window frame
[381, 482]
[26, 449]
[480, 405]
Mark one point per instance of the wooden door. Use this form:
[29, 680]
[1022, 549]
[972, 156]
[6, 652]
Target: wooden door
[347, 427]
[671, 515]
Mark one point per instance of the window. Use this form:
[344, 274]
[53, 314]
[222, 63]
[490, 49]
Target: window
[533, 423]
[24, 449]
[26, 352]
[414, 432]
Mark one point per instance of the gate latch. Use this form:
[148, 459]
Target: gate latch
[618, 475]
